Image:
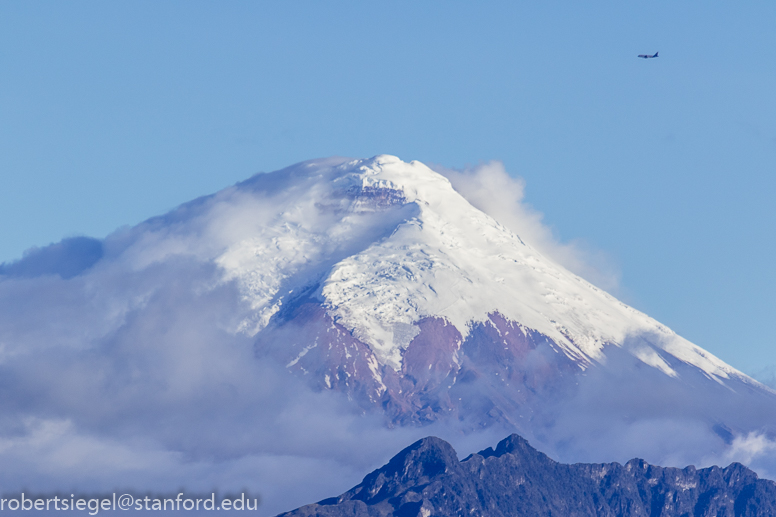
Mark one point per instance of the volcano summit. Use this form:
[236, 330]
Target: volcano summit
[376, 278]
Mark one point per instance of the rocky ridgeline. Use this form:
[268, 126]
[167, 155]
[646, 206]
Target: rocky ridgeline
[426, 479]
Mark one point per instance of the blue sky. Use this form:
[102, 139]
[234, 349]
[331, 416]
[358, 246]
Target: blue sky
[111, 112]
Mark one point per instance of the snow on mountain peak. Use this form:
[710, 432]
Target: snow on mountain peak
[384, 244]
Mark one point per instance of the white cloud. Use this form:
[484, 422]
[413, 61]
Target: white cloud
[491, 189]
[129, 377]
[756, 450]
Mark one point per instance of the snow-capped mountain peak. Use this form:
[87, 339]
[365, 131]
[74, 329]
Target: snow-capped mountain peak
[384, 244]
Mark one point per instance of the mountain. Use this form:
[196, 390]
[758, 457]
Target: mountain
[383, 245]
[376, 278]
[427, 479]
[292, 331]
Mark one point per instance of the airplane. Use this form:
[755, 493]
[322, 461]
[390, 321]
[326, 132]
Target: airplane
[647, 56]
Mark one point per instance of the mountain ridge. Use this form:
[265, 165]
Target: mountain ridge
[427, 479]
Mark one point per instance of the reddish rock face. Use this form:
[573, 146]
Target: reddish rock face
[419, 392]
[497, 373]
[309, 343]
[431, 356]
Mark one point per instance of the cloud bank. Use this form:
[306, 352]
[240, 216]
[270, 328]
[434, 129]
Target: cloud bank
[121, 368]
[133, 381]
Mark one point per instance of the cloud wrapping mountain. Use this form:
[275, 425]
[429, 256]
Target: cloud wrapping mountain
[293, 331]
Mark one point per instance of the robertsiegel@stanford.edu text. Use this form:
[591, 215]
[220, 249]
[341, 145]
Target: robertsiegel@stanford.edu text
[113, 502]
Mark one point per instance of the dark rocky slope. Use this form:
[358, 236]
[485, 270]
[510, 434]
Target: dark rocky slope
[426, 479]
